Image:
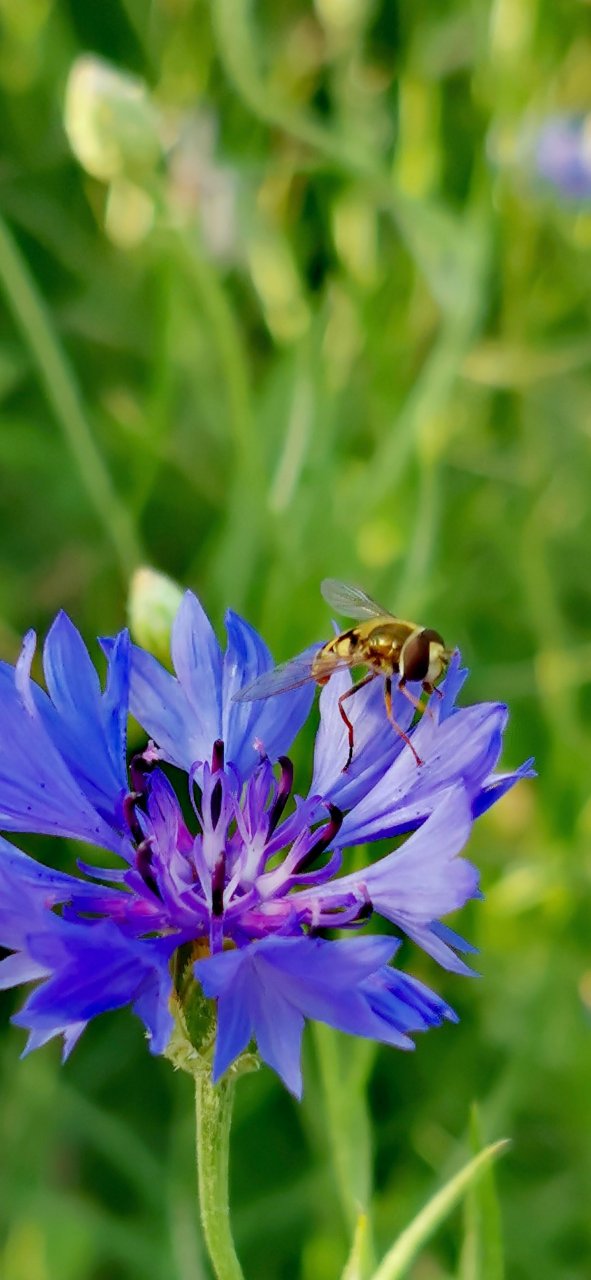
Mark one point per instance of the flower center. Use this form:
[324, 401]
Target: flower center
[233, 879]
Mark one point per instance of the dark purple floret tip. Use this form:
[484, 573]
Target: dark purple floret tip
[284, 789]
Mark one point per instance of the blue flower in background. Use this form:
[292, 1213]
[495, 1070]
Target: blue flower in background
[253, 883]
[563, 155]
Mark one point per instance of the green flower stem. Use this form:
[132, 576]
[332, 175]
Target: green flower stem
[213, 1104]
[61, 389]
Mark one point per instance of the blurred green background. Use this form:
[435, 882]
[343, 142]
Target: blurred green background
[283, 296]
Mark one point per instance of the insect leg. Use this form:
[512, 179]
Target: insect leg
[343, 714]
[395, 725]
[417, 703]
[438, 693]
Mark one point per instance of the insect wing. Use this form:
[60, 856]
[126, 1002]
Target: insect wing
[288, 675]
[351, 601]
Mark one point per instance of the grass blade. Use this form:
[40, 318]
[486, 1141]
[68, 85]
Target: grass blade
[407, 1246]
[482, 1254]
[61, 389]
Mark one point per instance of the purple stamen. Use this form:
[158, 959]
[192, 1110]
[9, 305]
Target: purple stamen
[139, 769]
[217, 764]
[129, 813]
[365, 913]
[143, 862]
[217, 886]
[284, 787]
[216, 804]
[325, 838]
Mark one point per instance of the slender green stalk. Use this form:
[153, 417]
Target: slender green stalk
[61, 389]
[245, 498]
[213, 1105]
[237, 49]
[238, 46]
[228, 345]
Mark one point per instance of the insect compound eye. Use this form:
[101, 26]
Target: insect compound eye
[414, 659]
[433, 636]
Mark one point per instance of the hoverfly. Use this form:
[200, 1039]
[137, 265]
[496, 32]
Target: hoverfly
[386, 645]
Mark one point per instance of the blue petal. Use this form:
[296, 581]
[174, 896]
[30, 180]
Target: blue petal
[19, 968]
[158, 702]
[70, 1032]
[495, 787]
[451, 686]
[346, 962]
[267, 989]
[185, 716]
[326, 981]
[268, 724]
[197, 660]
[26, 873]
[234, 1028]
[152, 1008]
[246, 657]
[94, 968]
[420, 882]
[376, 743]
[38, 791]
[407, 1003]
[28, 891]
[451, 938]
[463, 750]
[72, 681]
[115, 704]
[89, 728]
[71, 1035]
[248, 1000]
[278, 1028]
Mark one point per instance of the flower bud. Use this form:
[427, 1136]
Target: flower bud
[152, 605]
[112, 125]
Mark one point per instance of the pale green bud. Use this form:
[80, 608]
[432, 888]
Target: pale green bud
[112, 125]
[152, 606]
[129, 213]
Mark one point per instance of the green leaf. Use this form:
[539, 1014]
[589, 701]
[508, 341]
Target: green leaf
[355, 1265]
[344, 1067]
[406, 1248]
[482, 1254]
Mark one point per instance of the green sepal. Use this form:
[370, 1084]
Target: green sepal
[190, 1047]
[192, 1042]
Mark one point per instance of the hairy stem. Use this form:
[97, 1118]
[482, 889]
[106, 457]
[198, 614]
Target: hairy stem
[214, 1114]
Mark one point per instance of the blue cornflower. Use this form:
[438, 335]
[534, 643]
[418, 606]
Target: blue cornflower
[562, 149]
[249, 887]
